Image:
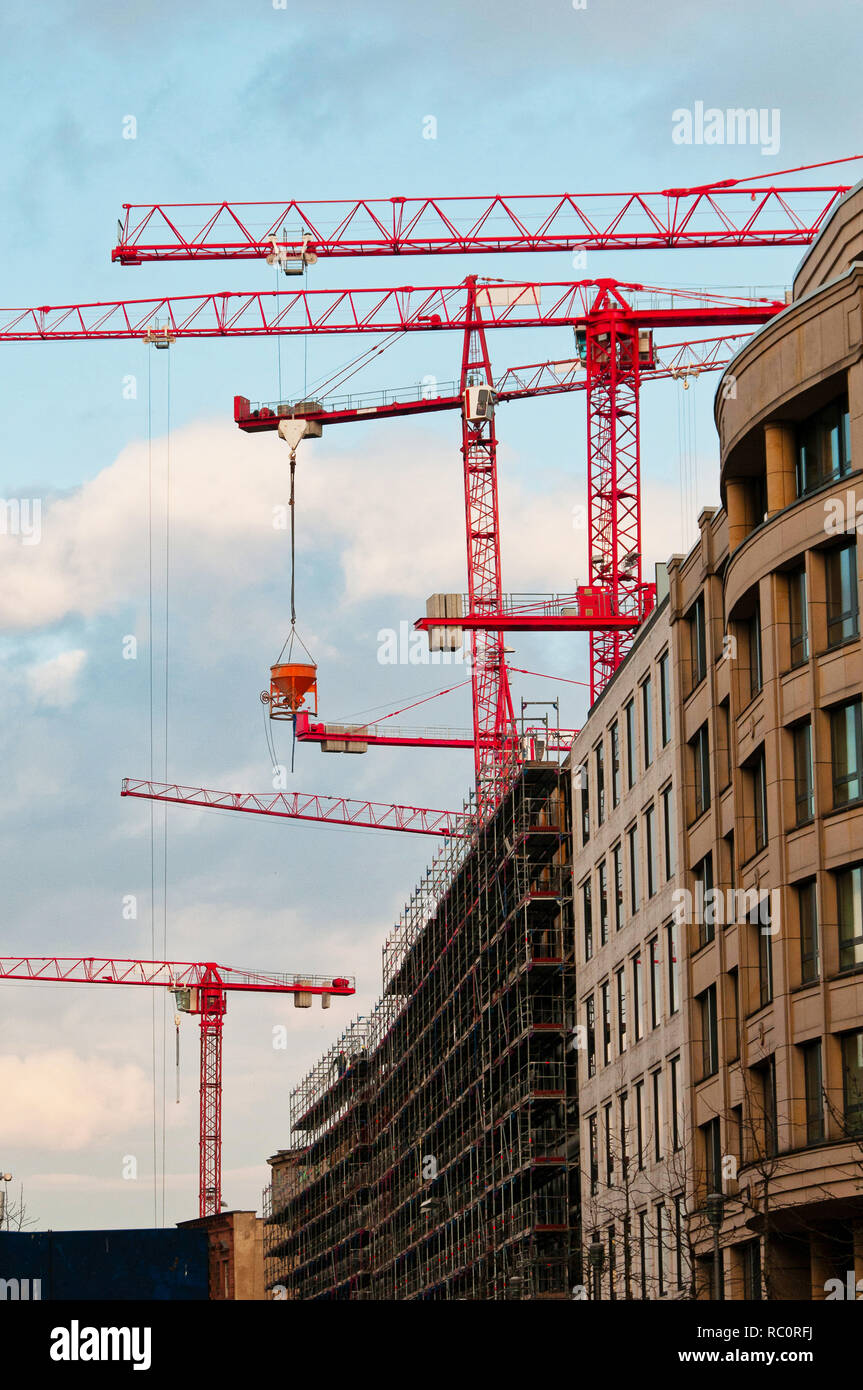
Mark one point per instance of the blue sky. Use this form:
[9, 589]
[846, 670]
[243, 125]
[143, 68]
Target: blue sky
[255, 102]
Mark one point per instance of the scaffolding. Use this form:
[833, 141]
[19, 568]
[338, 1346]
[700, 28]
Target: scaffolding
[439, 1135]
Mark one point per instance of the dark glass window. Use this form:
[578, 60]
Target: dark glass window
[799, 611]
[617, 863]
[615, 764]
[671, 933]
[584, 793]
[594, 1156]
[665, 700]
[700, 746]
[846, 731]
[590, 1016]
[600, 784]
[843, 605]
[765, 961]
[712, 1155]
[655, 983]
[804, 790]
[809, 954]
[637, 997]
[756, 662]
[668, 831]
[658, 1116]
[629, 714]
[814, 1092]
[634, 888]
[605, 1022]
[849, 894]
[647, 720]
[609, 1147]
[852, 1081]
[587, 911]
[652, 865]
[621, 1010]
[704, 905]
[759, 787]
[603, 904]
[751, 1258]
[709, 1032]
[823, 447]
[697, 641]
[676, 1101]
[639, 1121]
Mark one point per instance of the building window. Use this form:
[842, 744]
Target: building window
[661, 1237]
[642, 1251]
[655, 983]
[807, 905]
[671, 936]
[705, 908]
[647, 720]
[849, 895]
[843, 616]
[637, 998]
[584, 791]
[612, 1253]
[709, 1032]
[634, 888]
[678, 1239]
[814, 1092]
[751, 1262]
[587, 913]
[664, 700]
[823, 447]
[769, 1111]
[609, 1147]
[639, 1121]
[617, 866]
[629, 714]
[804, 788]
[846, 733]
[765, 960]
[594, 1156]
[700, 747]
[600, 784]
[756, 657]
[668, 831]
[590, 1017]
[712, 1155]
[658, 1116]
[622, 1115]
[697, 641]
[852, 1081]
[615, 764]
[605, 1021]
[652, 865]
[676, 1100]
[603, 904]
[621, 1010]
[759, 792]
[798, 606]
[735, 1014]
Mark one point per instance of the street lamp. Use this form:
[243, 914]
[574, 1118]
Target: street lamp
[4, 1204]
[596, 1256]
[715, 1206]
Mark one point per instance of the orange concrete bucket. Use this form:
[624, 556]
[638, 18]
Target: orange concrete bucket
[292, 681]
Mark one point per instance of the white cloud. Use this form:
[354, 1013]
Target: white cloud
[58, 1100]
[391, 512]
[53, 683]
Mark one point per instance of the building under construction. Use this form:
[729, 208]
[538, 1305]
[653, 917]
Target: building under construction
[435, 1146]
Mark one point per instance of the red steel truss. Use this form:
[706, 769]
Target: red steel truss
[262, 313]
[207, 985]
[734, 212]
[534, 379]
[333, 810]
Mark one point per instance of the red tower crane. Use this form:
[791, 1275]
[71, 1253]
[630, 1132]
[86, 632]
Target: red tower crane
[198, 988]
[616, 342]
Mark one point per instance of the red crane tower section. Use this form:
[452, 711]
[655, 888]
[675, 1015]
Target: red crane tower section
[199, 988]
